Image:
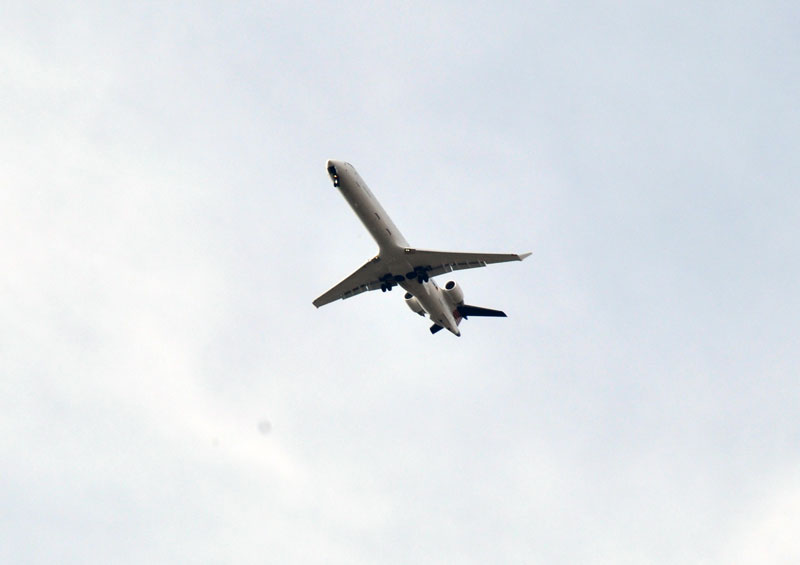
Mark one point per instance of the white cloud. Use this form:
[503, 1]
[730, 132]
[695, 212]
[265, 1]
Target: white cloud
[765, 530]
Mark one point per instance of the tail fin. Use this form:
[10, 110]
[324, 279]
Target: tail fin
[466, 311]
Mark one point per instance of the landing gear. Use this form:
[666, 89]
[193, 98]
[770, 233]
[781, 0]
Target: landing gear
[419, 273]
[388, 281]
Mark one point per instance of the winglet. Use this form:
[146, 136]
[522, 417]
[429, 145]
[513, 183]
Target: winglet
[523, 256]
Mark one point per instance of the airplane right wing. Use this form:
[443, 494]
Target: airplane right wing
[366, 277]
[440, 262]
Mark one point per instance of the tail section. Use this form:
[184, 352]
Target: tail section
[465, 311]
[436, 327]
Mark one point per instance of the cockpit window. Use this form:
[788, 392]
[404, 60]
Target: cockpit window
[334, 175]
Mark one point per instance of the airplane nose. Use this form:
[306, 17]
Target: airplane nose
[332, 172]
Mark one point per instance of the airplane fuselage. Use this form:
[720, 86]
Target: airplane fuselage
[395, 254]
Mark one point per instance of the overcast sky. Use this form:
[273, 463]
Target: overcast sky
[168, 393]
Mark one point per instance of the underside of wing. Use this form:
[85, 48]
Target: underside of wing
[366, 277]
[440, 262]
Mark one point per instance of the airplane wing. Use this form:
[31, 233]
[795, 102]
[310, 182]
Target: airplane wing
[366, 277]
[440, 262]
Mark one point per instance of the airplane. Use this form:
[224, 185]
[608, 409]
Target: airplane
[397, 263]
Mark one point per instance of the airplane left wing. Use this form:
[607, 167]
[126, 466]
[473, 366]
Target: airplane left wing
[366, 277]
[440, 262]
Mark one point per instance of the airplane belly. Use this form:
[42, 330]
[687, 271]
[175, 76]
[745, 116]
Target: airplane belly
[371, 213]
[433, 302]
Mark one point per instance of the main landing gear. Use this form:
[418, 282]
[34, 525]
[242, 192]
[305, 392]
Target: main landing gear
[389, 281]
[419, 273]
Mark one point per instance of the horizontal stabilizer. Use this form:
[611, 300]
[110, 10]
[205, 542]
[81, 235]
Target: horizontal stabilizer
[435, 328]
[466, 311]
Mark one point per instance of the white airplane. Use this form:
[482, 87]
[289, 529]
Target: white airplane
[397, 263]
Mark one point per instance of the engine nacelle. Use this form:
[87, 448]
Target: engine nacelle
[454, 293]
[414, 304]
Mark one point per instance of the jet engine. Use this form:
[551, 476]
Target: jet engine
[454, 293]
[414, 304]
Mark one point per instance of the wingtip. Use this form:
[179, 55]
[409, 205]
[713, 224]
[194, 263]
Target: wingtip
[523, 256]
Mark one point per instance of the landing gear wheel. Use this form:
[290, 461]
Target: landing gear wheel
[419, 273]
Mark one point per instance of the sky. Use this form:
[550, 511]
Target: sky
[168, 393]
